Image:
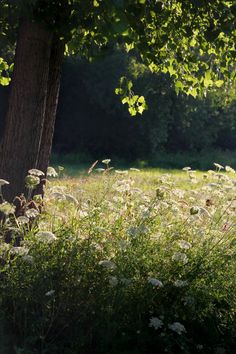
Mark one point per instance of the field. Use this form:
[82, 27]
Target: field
[124, 262]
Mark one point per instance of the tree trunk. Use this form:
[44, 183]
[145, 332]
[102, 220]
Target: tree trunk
[56, 58]
[21, 142]
[54, 78]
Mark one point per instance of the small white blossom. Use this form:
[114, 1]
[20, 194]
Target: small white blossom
[22, 220]
[155, 282]
[106, 161]
[113, 281]
[121, 172]
[3, 182]
[50, 293]
[184, 245]
[7, 208]
[155, 322]
[107, 264]
[51, 172]
[134, 169]
[177, 327]
[180, 283]
[19, 251]
[229, 169]
[46, 236]
[28, 259]
[35, 172]
[180, 257]
[32, 213]
[218, 166]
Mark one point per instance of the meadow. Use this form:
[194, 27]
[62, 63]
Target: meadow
[121, 262]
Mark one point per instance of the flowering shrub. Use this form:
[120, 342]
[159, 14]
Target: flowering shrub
[123, 262]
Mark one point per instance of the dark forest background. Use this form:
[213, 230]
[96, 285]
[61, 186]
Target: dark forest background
[92, 122]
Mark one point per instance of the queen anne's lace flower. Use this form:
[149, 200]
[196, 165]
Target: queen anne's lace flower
[46, 236]
[180, 283]
[35, 172]
[180, 257]
[184, 245]
[177, 327]
[155, 322]
[155, 282]
[113, 281]
[107, 264]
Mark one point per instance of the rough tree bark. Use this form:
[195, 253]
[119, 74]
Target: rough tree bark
[22, 137]
[54, 78]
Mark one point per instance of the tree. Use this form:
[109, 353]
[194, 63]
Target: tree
[192, 40]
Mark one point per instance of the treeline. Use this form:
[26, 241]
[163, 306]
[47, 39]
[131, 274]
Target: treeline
[91, 119]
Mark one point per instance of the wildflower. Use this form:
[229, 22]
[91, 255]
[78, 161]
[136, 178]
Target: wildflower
[155, 322]
[22, 220]
[229, 169]
[4, 247]
[121, 172]
[180, 257]
[134, 169]
[180, 283]
[61, 168]
[118, 199]
[31, 213]
[107, 264]
[35, 172]
[186, 168]
[113, 281]
[122, 186]
[106, 161]
[7, 208]
[51, 172]
[31, 181]
[82, 213]
[50, 293]
[3, 182]
[20, 251]
[218, 166]
[28, 259]
[46, 236]
[184, 245]
[177, 327]
[155, 282]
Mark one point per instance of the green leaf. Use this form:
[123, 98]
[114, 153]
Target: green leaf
[219, 83]
[4, 81]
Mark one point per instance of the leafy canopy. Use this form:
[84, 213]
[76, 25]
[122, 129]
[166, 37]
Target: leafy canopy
[191, 40]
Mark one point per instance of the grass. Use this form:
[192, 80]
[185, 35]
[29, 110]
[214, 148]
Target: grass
[123, 262]
[76, 163]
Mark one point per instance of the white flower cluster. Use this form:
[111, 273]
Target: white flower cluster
[155, 322]
[177, 327]
[155, 282]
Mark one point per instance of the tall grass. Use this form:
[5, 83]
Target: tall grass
[124, 262]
